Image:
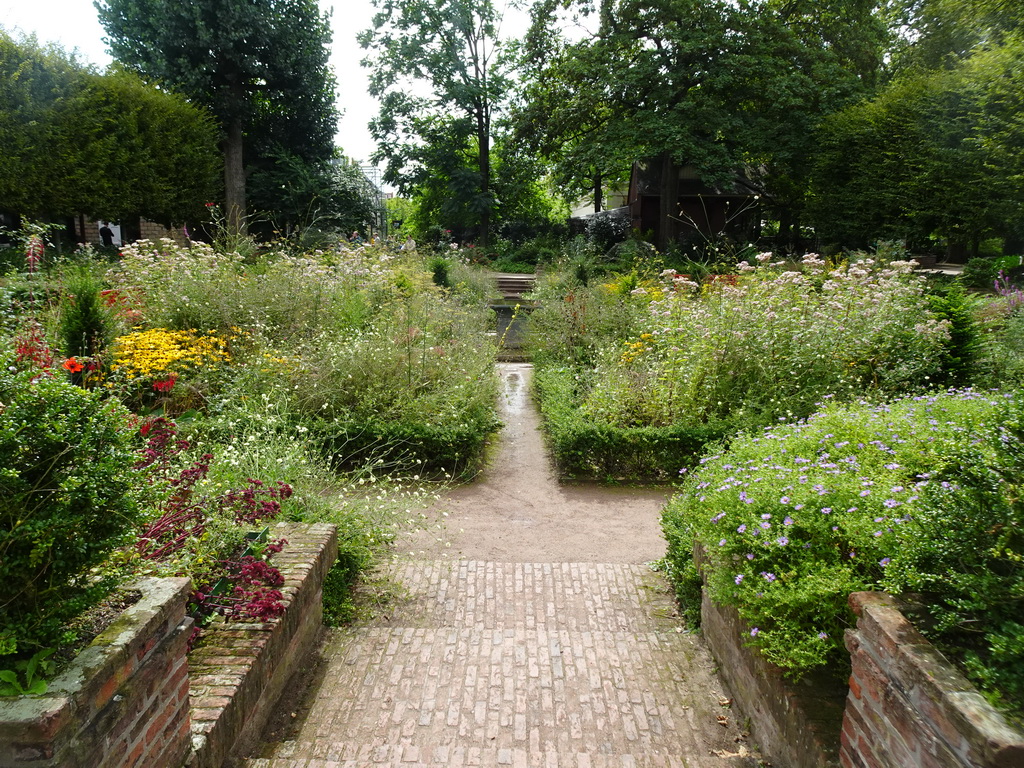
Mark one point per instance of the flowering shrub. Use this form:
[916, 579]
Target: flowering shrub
[147, 364]
[792, 519]
[202, 535]
[69, 498]
[771, 345]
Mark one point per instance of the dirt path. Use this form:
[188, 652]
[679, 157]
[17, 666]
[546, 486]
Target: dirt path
[538, 638]
[517, 511]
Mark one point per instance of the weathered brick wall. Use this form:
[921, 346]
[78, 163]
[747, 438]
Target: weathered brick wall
[124, 701]
[794, 725]
[240, 669]
[908, 706]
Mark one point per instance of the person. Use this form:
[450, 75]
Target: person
[106, 235]
[409, 244]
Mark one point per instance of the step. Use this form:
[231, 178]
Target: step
[351, 755]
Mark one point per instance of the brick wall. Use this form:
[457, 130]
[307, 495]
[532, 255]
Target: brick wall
[907, 706]
[124, 701]
[794, 725]
[239, 670]
[133, 698]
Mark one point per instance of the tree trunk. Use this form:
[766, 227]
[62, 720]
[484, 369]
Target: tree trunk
[598, 193]
[484, 141]
[234, 178]
[668, 224]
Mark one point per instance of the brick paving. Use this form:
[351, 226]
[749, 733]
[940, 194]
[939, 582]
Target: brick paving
[530, 665]
[513, 654]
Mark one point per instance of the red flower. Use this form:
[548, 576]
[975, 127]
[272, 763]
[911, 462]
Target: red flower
[71, 364]
[166, 385]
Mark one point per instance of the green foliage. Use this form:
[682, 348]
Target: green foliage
[583, 447]
[440, 269]
[438, 145]
[28, 676]
[86, 323]
[715, 84]
[108, 146]
[914, 164]
[955, 307]
[261, 69]
[69, 499]
[792, 519]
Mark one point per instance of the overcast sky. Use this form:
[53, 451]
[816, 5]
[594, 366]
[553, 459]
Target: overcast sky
[73, 24]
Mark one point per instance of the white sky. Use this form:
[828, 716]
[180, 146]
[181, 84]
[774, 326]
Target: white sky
[73, 24]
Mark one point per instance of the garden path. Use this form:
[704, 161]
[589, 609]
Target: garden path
[530, 632]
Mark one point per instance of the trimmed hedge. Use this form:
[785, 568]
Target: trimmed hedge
[429, 449]
[584, 447]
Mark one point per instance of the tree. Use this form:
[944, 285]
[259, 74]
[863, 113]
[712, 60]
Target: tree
[719, 85]
[332, 195]
[259, 67]
[937, 155]
[109, 146]
[451, 50]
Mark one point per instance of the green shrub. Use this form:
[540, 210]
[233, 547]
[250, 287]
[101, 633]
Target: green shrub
[794, 518]
[768, 344]
[959, 358]
[584, 447]
[67, 484]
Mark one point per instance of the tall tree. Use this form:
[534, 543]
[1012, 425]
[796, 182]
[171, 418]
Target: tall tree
[450, 50]
[259, 67]
[713, 83]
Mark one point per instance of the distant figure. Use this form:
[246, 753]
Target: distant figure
[409, 244]
[106, 235]
[355, 237]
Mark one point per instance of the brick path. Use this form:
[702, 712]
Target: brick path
[511, 654]
[518, 664]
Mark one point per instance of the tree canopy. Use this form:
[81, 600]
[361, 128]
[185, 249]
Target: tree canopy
[260, 68]
[718, 85]
[450, 53]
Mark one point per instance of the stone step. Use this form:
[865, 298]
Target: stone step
[352, 755]
[515, 286]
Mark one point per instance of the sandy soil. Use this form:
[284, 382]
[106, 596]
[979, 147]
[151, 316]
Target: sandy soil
[517, 511]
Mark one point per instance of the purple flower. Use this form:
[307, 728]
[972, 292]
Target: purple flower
[718, 517]
[784, 500]
[750, 555]
[739, 578]
[865, 492]
[783, 541]
[884, 561]
[766, 525]
[826, 510]
[822, 636]
[742, 528]
[721, 543]
[755, 632]
[788, 521]
[766, 516]
[890, 503]
[768, 576]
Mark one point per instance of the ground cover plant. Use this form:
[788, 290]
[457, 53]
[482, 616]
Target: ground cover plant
[918, 497]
